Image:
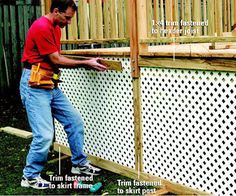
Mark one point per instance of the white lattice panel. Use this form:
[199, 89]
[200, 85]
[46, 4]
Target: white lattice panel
[105, 101]
[189, 124]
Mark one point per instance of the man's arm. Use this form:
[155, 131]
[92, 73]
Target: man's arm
[65, 62]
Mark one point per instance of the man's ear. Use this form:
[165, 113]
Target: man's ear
[56, 10]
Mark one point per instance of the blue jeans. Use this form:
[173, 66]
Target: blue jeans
[42, 105]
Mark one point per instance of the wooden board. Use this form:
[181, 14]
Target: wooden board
[188, 50]
[17, 132]
[162, 191]
[211, 64]
[58, 159]
[124, 51]
[132, 173]
[223, 45]
[177, 50]
[110, 64]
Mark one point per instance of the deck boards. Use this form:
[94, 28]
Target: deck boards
[177, 50]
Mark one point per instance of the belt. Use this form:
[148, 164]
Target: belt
[55, 76]
[27, 65]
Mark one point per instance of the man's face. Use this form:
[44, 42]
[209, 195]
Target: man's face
[64, 18]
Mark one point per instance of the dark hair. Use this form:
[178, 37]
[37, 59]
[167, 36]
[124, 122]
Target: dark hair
[62, 5]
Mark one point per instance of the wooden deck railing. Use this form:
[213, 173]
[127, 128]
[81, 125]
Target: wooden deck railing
[188, 20]
[158, 21]
[97, 21]
[189, 17]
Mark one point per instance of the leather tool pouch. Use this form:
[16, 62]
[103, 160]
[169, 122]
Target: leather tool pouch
[41, 78]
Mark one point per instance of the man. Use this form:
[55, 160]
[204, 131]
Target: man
[42, 104]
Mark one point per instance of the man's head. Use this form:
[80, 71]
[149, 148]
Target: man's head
[63, 11]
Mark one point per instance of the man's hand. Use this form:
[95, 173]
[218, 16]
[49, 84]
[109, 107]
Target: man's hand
[94, 64]
[65, 62]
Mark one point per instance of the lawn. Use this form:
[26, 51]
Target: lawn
[13, 153]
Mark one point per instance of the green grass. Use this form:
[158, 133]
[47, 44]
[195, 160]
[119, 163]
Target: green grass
[13, 153]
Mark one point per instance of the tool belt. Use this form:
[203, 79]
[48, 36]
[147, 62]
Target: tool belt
[43, 78]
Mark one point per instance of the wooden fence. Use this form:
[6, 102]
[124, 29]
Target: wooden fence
[15, 18]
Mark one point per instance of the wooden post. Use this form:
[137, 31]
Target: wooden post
[134, 47]
[134, 54]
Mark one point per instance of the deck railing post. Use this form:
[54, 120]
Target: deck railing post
[134, 54]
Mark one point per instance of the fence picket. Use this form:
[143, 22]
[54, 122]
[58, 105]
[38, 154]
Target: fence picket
[156, 19]
[92, 16]
[126, 17]
[99, 19]
[113, 21]
[162, 16]
[106, 16]
[15, 55]
[149, 18]
[197, 16]
[234, 11]
[7, 43]
[73, 29]
[15, 19]
[121, 19]
[219, 16]
[228, 11]
[205, 16]
[211, 17]
[2, 70]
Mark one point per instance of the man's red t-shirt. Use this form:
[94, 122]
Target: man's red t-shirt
[42, 39]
